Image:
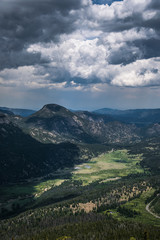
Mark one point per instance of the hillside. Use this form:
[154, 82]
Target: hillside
[22, 157]
[54, 123]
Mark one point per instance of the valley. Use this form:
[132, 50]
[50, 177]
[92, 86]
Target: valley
[79, 172]
[104, 168]
[79, 120]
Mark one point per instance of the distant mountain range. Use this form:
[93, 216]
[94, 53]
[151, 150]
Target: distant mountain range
[136, 116]
[55, 124]
[17, 111]
[55, 137]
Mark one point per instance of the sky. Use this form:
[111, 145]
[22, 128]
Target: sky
[81, 54]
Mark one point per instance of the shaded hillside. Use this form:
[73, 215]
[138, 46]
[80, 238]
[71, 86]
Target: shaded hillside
[22, 157]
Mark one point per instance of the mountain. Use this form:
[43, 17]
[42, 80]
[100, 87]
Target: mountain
[17, 111]
[54, 123]
[22, 157]
[59, 124]
[136, 116]
[49, 139]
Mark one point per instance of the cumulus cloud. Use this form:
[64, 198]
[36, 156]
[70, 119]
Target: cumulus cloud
[139, 73]
[79, 44]
[29, 77]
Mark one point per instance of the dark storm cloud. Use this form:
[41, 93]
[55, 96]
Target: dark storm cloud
[149, 47]
[92, 44]
[138, 49]
[26, 22]
[15, 59]
[124, 55]
[155, 4]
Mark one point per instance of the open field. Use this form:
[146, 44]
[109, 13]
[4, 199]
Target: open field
[114, 164]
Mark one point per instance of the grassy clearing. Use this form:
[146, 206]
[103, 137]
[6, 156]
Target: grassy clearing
[138, 205]
[110, 165]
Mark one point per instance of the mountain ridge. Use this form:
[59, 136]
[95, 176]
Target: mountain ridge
[80, 126]
[17, 111]
[137, 116]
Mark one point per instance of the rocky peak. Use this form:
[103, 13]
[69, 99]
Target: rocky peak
[53, 107]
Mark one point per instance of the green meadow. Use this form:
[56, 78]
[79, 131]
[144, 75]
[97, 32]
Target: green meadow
[109, 166]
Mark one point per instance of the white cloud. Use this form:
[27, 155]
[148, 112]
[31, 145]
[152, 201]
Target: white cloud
[138, 74]
[101, 50]
[27, 77]
[90, 59]
[81, 58]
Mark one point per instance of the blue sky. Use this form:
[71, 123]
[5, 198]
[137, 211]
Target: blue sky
[80, 54]
[109, 2]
